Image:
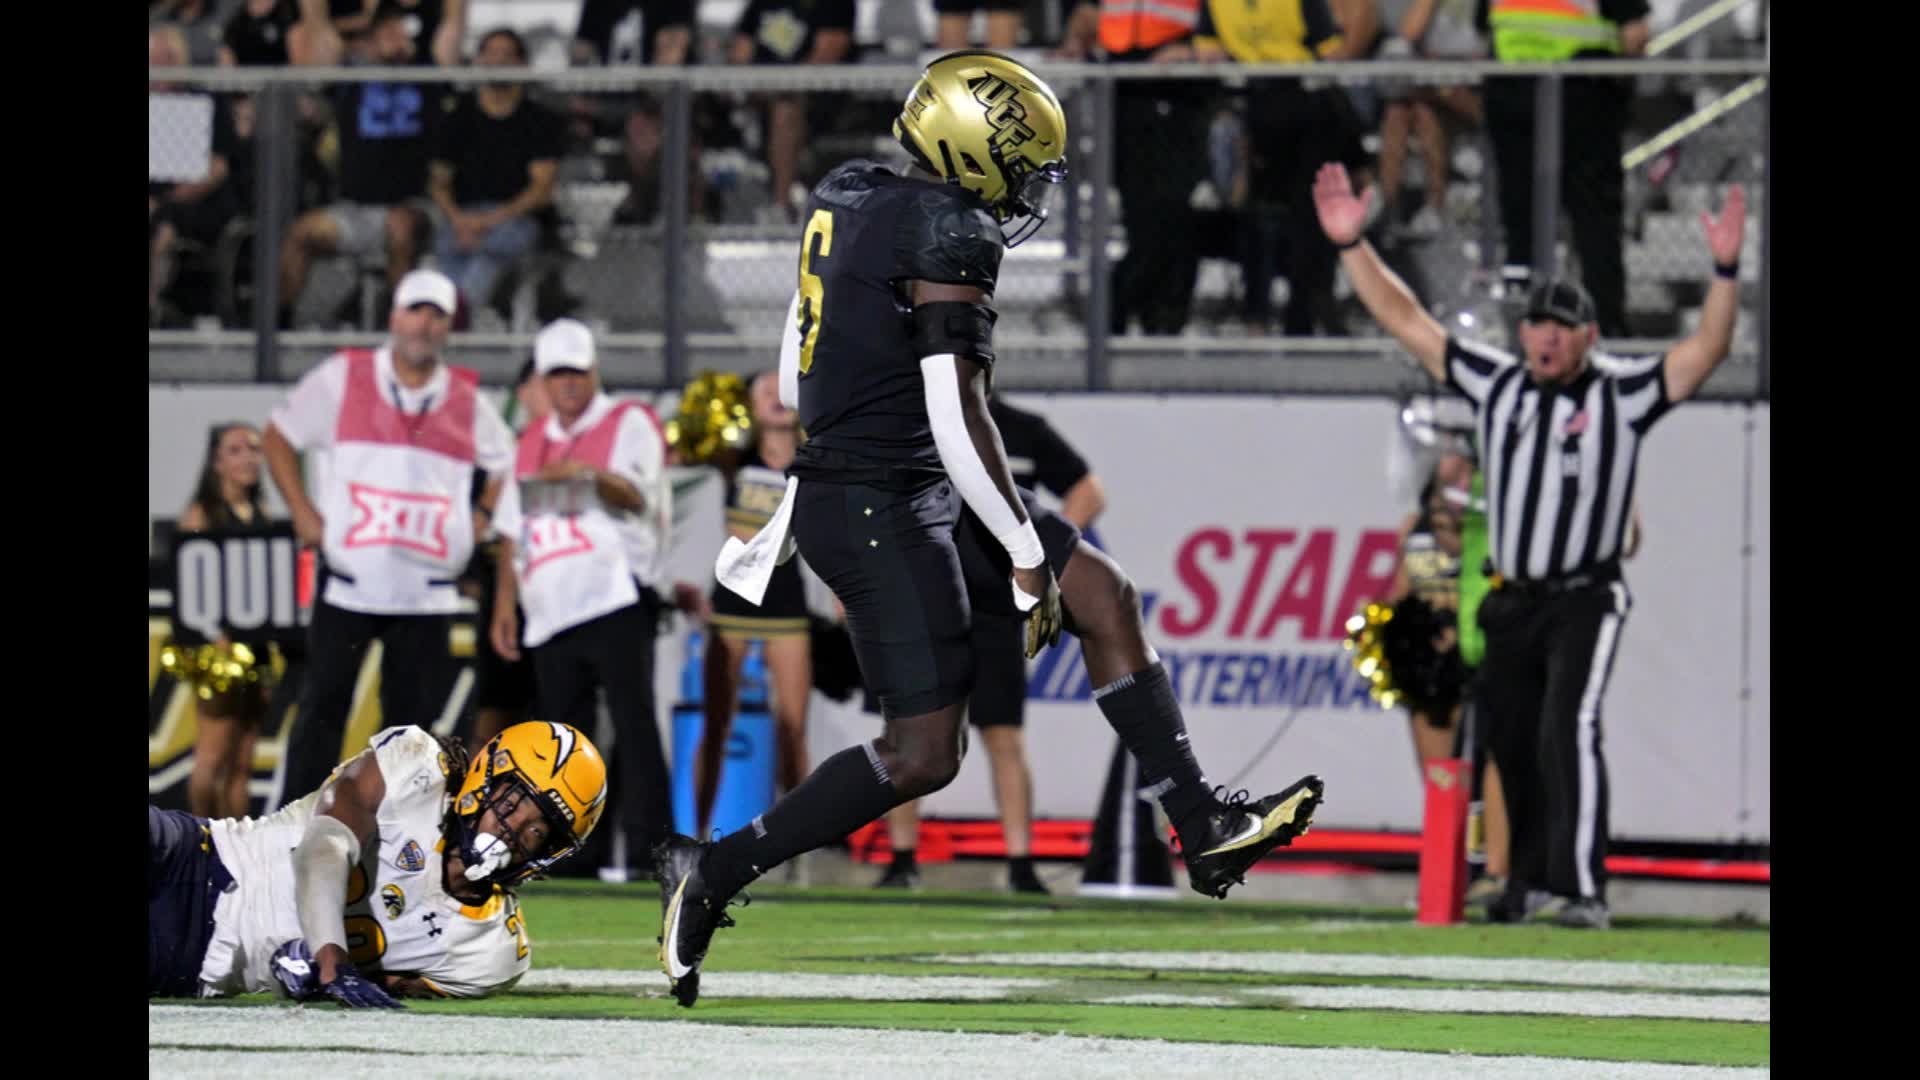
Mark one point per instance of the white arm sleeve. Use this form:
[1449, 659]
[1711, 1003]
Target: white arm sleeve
[321, 865]
[962, 460]
[790, 356]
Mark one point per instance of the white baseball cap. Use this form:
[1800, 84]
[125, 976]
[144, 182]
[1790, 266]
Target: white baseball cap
[426, 287]
[563, 343]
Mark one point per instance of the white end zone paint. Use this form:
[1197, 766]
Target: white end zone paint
[248, 1043]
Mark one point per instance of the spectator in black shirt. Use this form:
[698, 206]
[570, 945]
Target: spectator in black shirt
[665, 32]
[791, 32]
[385, 131]
[646, 32]
[493, 167]
[256, 33]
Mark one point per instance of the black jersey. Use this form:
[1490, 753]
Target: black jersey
[869, 231]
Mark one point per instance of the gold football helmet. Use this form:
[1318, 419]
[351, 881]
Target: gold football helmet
[556, 766]
[985, 122]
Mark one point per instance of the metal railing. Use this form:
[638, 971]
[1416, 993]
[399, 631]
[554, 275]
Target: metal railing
[679, 291]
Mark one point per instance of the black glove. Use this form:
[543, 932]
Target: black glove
[355, 992]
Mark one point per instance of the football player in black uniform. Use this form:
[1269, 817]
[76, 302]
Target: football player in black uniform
[903, 504]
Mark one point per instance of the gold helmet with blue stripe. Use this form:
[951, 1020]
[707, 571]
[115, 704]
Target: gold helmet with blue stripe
[557, 767]
[985, 122]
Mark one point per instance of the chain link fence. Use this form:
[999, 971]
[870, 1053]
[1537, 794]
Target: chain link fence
[1185, 257]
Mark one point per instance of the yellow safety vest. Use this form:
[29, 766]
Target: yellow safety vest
[1541, 30]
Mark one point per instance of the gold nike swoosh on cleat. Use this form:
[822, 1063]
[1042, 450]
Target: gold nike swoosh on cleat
[669, 947]
[1276, 818]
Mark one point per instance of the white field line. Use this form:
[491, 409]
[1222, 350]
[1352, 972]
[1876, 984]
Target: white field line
[199, 1042]
[716, 985]
[1455, 968]
[1317, 926]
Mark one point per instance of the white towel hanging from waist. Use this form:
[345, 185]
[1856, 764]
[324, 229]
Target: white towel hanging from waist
[747, 568]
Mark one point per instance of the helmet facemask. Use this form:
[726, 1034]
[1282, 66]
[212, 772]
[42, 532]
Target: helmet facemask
[1030, 195]
[504, 798]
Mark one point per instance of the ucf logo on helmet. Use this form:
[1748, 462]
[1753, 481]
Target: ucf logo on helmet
[1005, 113]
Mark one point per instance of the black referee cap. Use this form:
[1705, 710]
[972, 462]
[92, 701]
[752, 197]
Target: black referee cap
[1561, 299]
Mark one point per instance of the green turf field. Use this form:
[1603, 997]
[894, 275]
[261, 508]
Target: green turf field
[1224, 974]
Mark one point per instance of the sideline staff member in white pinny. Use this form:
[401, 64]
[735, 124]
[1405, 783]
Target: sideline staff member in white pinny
[392, 437]
[583, 530]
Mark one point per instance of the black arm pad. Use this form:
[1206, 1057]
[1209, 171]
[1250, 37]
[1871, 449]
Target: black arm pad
[952, 326]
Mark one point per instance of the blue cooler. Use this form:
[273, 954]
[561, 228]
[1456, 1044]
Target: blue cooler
[747, 777]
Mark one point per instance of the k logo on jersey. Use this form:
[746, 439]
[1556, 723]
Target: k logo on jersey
[1005, 113]
[394, 899]
[398, 518]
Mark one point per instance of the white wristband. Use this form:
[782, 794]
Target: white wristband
[1023, 544]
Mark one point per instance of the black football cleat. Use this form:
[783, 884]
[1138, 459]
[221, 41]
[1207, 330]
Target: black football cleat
[1238, 834]
[689, 914]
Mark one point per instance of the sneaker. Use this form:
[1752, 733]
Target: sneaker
[1517, 903]
[899, 876]
[1485, 891]
[1024, 880]
[1586, 913]
[689, 914]
[1238, 834]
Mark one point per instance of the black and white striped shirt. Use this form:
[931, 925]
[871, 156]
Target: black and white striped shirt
[1558, 491]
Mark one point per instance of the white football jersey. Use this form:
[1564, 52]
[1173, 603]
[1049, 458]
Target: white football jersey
[399, 918]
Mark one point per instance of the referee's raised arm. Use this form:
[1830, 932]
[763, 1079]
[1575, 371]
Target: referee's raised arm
[1392, 304]
[1690, 361]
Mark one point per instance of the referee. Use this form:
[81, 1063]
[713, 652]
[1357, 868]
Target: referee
[1561, 441]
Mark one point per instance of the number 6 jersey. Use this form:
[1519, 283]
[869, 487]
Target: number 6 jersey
[399, 918]
[869, 231]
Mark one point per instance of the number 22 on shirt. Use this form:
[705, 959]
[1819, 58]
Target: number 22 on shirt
[812, 289]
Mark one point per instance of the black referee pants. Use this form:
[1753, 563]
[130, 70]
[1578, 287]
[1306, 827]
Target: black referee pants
[416, 675]
[1548, 657]
[614, 653]
[1593, 123]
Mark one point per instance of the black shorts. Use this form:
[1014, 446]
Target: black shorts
[910, 570]
[968, 7]
[782, 612]
[500, 683]
[184, 878]
[999, 697]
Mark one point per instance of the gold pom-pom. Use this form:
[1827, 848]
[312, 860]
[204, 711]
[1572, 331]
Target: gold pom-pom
[714, 415]
[1367, 643]
[218, 673]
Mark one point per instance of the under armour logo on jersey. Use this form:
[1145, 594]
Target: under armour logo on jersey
[398, 518]
[1005, 113]
[433, 928]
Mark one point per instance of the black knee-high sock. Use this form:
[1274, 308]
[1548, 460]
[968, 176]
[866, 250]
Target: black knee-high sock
[1142, 709]
[847, 791]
